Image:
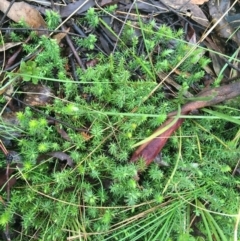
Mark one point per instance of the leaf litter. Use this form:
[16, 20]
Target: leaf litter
[196, 20]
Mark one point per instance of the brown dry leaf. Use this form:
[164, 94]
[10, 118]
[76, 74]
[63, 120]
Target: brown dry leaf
[214, 43]
[105, 3]
[9, 120]
[217, 63]
[37, 95]
[65, 11]
[41, 2]
[224, 28]
[23, 11]
[62, 156]
[85, 136]
[185, 6]
[198, 2]
[91, 63]
[7, 46]
[62, 132]
[191, 34]
[8, 89]
[60, 36]
[148, 7]
[2, 201]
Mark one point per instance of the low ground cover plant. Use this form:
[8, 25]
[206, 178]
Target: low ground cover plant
[76, 181]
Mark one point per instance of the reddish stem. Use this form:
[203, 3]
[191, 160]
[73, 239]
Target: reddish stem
[150, 150]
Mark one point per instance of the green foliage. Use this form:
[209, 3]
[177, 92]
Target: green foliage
[92, 18]
[15, 37]
[30, 71]
[111, 8]
[45, 62]
[87, 42]
[103, 192]
[53, 19]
